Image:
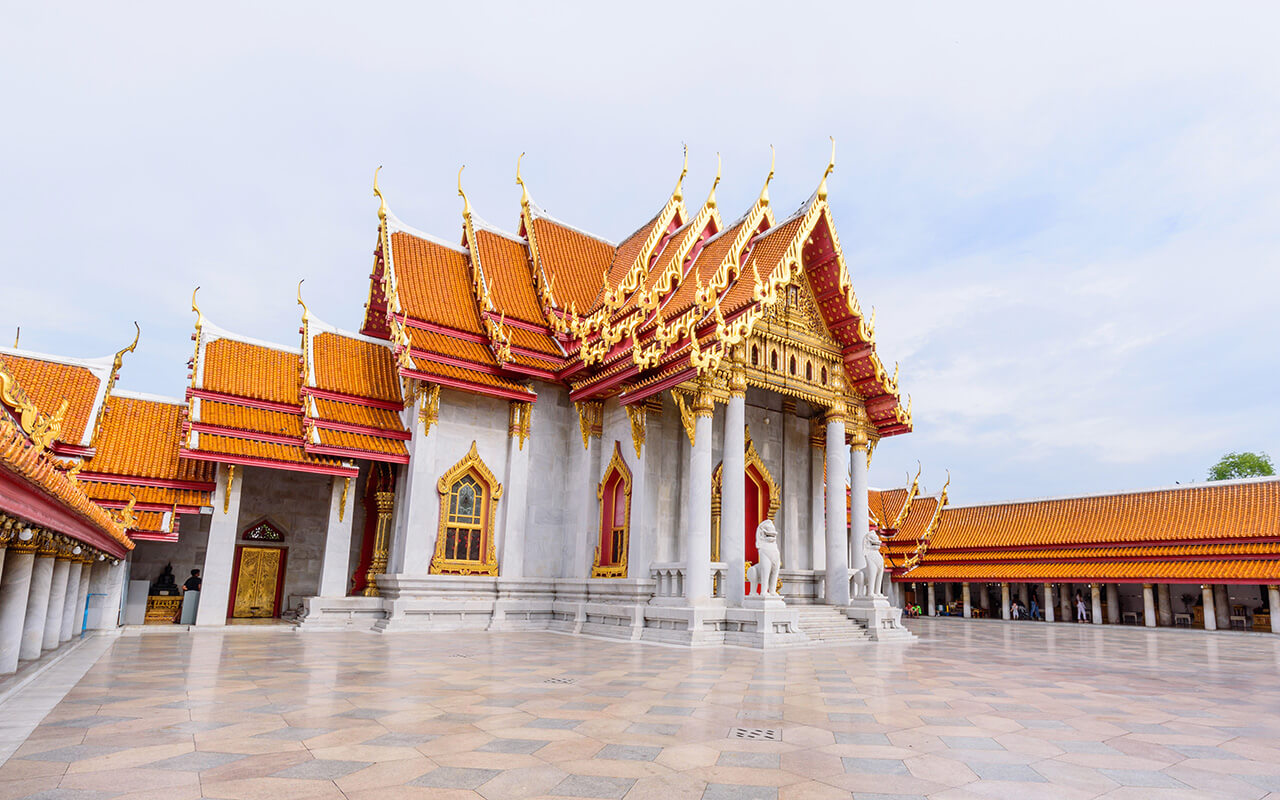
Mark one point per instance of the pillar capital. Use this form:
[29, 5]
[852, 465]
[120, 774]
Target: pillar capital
[704, 402]
[1148, 586]
[737, 374]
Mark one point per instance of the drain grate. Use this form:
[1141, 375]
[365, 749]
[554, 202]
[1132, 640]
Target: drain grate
[759, 734]
[462, 655]
[559, 680]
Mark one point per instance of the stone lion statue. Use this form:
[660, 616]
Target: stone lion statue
[765, 573]
[868, 579]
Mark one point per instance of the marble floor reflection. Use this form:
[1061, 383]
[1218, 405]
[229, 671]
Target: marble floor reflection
[973, 709]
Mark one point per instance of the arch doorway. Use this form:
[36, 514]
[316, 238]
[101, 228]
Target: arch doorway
[762, 502]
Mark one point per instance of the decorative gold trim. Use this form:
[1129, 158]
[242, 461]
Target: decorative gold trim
[616, 463]
[637, 413]
[342, 501]
[112, 377]
[226, 495]
[911, 496]
[590, 420]
[922, 546]
[704, 402]
[489, 566]
[429, 413]
[382, 531]
[686, 416]
[520, 421]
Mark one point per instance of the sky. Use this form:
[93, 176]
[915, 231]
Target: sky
[1067, 216]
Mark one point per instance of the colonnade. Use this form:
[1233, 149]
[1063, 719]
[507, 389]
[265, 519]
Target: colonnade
[45, 583]
[1058, 602]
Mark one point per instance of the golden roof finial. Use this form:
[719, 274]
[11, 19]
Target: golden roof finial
[711, 198]
[16, 336]
[382, 201]
[137, 334]
[196, 308]
[524, 190]
[466, 204]
[822, 187]
[306, 313]
[764, 190]
[678, 194]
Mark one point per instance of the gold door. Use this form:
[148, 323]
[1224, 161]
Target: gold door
[256, 586]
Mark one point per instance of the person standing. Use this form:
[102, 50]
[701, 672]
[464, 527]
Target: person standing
[1082, 611]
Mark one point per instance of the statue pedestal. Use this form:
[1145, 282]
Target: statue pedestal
[764, 602]
[763, 621]
[883, 621]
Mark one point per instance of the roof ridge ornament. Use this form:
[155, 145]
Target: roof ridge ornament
[764, 190]
[466, 204]
[306, 312]
[678, 193]
[831, 165]
[382, 201]
[524, 190]
[711, 198]
[196, 308]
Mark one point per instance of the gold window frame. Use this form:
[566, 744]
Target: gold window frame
[619, 465]
[488, 563]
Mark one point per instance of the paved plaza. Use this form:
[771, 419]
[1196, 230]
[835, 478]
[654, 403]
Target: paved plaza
[973, 709]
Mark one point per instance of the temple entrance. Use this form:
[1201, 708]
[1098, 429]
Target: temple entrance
[762, 500]
[256, 582]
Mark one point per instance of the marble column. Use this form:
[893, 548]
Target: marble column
[1047, 606]
[1113, 604]
[964, 595]
[697, 551]
[857, 508]
[37, 603]
[1148, 605]
[417, 505]
[1210, 618]
[107, 579]
[733, 492]
[1095, 595]
[57, 600]
[70, 609]
[933, 603]
[837, 578]
[221, 548]
[15, 583]
[1004, 601]
[82, 595]
[334, 575]
[1165, 612]
[641, 537]
[1065, 599]
[817, 496]
[1024, 595]
[984, 597]
[516, 497]
[1273, 603]
[1222, 606]
[584, 478]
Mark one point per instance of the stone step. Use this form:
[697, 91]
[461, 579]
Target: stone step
[828, 625]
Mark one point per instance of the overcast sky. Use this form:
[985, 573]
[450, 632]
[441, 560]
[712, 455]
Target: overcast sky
[1067, 219]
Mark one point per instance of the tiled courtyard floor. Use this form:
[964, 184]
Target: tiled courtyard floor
[974, 709]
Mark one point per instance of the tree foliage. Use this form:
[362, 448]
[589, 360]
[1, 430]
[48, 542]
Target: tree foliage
[1241, 465]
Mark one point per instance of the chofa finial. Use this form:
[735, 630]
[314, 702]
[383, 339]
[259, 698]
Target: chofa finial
[711, 198]
[764, 190]
[196, 308]
[16, 336]
[466, 204]
[306, 313]
[382, 201]
[524, 190]
[678, 194]
[831, 165]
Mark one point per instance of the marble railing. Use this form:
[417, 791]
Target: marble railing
[670, 575]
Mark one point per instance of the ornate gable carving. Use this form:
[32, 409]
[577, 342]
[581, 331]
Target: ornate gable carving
[790, 350]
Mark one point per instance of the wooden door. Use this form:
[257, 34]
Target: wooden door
[259, 575]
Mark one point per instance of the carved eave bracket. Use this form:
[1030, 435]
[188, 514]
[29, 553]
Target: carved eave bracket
[590, 420]
[520, 422]
[636, 413]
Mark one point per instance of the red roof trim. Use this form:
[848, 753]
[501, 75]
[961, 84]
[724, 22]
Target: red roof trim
[368, 402]
[351, 427]
[330, 450]
[253, 436]
[236, 400]
[467, 386]
[289, 466]
[163, 483]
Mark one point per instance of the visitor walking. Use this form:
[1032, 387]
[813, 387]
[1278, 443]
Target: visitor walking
[1082, 612]
[1035, 608]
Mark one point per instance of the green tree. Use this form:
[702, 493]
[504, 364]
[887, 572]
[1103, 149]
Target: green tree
[1241, 465]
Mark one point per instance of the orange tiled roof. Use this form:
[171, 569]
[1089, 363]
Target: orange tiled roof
[469, 375]
[352, 414]
[434, 283]
[533, 341]
[766, 253]
[271, 451]
[253, 420]
[251, 370]
[355, 367]
[575, 262]
[506, 269]
[362, 442]
[140, 438]
[1242, 571]
[453, 346]
[157, 495]
[48, 383]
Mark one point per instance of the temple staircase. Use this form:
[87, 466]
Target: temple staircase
[829, 625]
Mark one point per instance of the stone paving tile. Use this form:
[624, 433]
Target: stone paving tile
[455, 778]
[197, 762]
[628, 752]
[322, 769]
[525, 746]
[734, 791]
[593, 786]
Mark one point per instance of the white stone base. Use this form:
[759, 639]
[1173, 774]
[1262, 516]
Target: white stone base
[340, 613]
[883, 621]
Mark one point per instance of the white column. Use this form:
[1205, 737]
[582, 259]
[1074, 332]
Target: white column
[697, 550]
[838, 532]
[70, 609]
[1222, 606]
[984, 597]
[1066, 602]
[1004, 601]
[221, 548]
[733, 510]
[1273, 604]
[583, 479]
[964, 594]
[1148, 605]
[1095, 595]
[82, 597]
[1165, 612]
[1047, 606]
[1024, 594]
[417, 507]
[37, 605]
[106, 587]
[858, 485]
[15, 582]
[1113, 604]
[933, 605]
[641, 538]
[1210, 618]
[334, 575]
[57, 599]
[515, 500]
[817, 499]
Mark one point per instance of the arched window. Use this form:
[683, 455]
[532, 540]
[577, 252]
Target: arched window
[791, 367]
[468, 498]
[773, 361]
[615, 519]
[808, 371]
[755, 355]
[824, 376]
